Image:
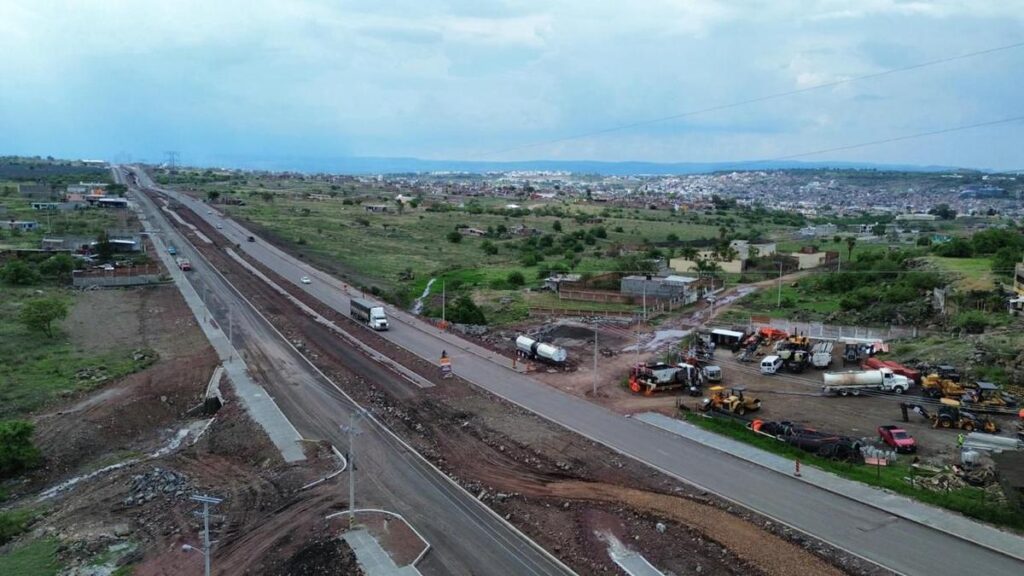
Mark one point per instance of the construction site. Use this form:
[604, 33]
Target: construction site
[837, 398]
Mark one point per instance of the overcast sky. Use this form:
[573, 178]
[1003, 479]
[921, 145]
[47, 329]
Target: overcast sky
[470, 79]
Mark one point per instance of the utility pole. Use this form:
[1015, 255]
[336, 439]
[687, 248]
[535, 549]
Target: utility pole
[206, 501]
[352, 430]
[444, 305]
[595, 360]
[645, 301]
[779, 303]
[172, 159]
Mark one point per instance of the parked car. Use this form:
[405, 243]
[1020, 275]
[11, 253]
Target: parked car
[898, 439]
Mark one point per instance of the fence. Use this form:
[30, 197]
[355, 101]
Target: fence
[834, 331]
[596, 296]
[541, 311]
[134, 276]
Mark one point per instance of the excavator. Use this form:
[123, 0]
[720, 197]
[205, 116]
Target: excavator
[732, 401]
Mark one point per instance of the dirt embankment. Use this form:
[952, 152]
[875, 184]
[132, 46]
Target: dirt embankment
[560, 489]
[140, 514]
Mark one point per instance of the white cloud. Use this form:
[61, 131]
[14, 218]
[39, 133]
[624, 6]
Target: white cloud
[461, 77]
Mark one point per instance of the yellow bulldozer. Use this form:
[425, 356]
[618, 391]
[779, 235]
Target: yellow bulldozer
[936, 386]
[732, 401]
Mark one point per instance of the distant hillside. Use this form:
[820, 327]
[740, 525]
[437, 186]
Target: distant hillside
[366, 165]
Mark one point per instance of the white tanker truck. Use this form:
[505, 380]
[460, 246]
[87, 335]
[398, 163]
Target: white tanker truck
[536, 350]
[847, 383]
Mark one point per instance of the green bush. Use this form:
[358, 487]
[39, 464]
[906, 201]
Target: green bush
[17, 452]
[454, 237]
[19, 273]
[13, 523]
[972, 322]
[516, 278]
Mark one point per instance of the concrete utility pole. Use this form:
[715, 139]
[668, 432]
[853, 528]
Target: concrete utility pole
[352, 430]
[779, 303]
[206, 501]
[443, 304]
[595, 360]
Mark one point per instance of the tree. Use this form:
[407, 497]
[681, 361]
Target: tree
[212, 195]
[58, 266]
[17, 452]
[489, 248]
[501, 230]
[1005, 259]
[19, 273]
[39, 314]
[516, 278]
[557, 226]
[672, 237]
[688, 253]
[851, 241]
[464, 311]
[943, 211]
[454, 237]
[878, 229]
[836, 239]
[104, 249]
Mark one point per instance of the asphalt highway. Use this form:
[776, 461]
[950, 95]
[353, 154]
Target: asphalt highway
[467, 538]
[895, 543]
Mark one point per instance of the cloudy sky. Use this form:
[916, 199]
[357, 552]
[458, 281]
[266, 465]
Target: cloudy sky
[509, 80]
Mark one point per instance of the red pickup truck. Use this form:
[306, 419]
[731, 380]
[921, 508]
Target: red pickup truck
[898, 439]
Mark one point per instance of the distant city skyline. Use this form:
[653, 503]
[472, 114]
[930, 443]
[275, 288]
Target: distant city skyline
[270, 80]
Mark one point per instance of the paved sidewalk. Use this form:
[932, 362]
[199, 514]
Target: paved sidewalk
[260, 406]
[374, 560]
[949, 522]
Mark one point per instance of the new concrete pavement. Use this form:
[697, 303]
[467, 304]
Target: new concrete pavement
[889, 540]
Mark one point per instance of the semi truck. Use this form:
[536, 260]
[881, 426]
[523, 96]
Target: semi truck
[877, 364]
[368, 313]
[183, 264]
[853, 383]
[537, 350]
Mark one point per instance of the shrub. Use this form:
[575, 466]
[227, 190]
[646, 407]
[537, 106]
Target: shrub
[19, 273]
[516, 278]
[971, 321]
[17, 452]
[454, 237]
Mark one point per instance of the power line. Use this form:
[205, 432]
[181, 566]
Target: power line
[756, 100]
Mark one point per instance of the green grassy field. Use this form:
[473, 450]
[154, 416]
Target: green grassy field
[968, 501]
[970, 273]
[34, 558]
[35, 369]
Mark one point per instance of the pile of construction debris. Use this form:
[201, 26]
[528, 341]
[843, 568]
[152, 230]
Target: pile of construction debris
[158, 482]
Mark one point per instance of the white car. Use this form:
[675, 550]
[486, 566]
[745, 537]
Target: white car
[305, 280]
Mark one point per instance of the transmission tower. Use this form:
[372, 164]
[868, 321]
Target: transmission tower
[172, 159]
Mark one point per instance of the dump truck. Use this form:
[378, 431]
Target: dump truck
[368, 313]
[650, 378]
[733, 401]
[854, 382]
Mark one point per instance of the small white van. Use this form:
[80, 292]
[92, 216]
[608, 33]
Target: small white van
[771, 364]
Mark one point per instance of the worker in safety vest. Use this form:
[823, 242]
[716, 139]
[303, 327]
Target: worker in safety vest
[960, 440]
